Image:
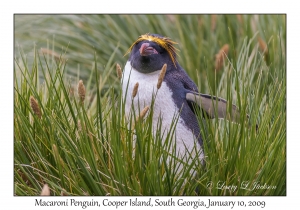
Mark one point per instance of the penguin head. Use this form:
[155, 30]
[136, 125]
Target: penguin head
[151, 51]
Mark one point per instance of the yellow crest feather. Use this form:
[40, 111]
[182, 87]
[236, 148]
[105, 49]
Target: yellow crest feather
[164, 42]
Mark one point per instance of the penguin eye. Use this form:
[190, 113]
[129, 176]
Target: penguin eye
[158, 48]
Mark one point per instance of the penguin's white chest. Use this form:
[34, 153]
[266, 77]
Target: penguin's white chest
[164, 107]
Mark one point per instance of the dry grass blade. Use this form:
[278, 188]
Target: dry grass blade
[213, 22]
[63, 193]
[161, 75]
[135, 90]
[55, 55]
[35, 107]
[81, 91]
[143, 113]
[219, 61]
[240, 18]
[79, 125]
[262, 45]
[119, 71]
[45, 190]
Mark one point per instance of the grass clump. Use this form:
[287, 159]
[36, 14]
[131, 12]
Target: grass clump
[71, 135]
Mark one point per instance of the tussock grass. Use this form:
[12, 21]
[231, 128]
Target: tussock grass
[70, 129]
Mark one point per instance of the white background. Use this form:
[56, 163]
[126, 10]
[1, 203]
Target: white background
[9, 8]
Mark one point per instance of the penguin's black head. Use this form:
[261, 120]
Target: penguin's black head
[151, 51]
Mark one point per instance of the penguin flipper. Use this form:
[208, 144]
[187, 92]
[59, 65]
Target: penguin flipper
[212, 106]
